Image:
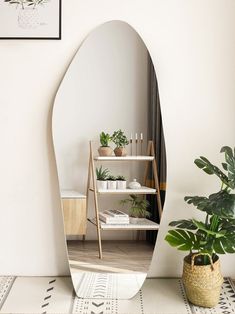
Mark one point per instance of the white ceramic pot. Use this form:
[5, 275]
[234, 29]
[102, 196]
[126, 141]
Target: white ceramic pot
[112, 185]
[101, 185]
[134, 184]
[134, 220]
[121, 185]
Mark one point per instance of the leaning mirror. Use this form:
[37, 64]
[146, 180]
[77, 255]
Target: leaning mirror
[109, 181]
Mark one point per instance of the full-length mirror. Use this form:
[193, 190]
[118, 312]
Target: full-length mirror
[110, 155]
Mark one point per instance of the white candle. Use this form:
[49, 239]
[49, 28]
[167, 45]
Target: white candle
[131, 136]
[141, 136]
[136, 136]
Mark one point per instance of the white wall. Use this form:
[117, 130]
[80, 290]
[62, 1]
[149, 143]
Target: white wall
[192, 46]
[104, 89]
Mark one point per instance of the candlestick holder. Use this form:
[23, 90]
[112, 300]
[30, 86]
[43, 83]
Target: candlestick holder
[136, 147]
[141, 147]
[131, 146]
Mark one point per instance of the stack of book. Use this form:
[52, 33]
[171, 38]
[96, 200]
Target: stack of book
[114, 217]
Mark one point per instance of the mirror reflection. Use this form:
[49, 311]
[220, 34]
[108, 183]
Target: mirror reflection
[110, 154]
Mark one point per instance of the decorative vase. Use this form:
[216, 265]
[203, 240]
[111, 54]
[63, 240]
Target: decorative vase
[101, 185]
[28, 18]
[120, 151]
[202, 282]
[121, 185]
[112, 185]
[105, 151]
[134, 184]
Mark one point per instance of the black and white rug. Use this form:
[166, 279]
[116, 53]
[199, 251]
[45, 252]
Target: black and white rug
[54, 295]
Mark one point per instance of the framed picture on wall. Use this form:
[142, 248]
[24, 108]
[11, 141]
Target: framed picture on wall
[30, 19]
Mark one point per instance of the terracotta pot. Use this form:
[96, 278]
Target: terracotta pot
[105, 151]
[120, 151]
[202, 282]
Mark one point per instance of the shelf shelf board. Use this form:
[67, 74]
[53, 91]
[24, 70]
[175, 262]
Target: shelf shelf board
[143, 224]
[142, 190]
[126, 158]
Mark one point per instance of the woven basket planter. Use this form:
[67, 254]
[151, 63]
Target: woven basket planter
[202, 282]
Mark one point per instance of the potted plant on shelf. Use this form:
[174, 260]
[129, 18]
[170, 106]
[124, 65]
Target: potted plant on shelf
[205, 240]
[105, 149]
[101, 176]
[112, 185]
[121, 182]
[138, 209]
[120, 140]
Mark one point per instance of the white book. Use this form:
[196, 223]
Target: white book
[116, 213]
[116, 222]
[113, 220]
[110, 219]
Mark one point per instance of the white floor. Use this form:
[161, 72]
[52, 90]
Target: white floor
[54, 295]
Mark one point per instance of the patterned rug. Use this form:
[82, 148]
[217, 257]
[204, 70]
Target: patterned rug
[55, 295]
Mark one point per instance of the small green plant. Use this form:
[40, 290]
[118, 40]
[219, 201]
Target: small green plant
[102, 174]
[119, 139]
[216, 235]
[111, 178]
[26, 3]
[120, 178]
[138, 207]
[105, 138]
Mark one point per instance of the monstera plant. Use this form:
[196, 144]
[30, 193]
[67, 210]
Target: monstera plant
[216, 234]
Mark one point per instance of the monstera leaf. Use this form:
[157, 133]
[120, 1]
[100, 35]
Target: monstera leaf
[183, 224]
[229, 165]
[227, 224]
[225, 244]
[221, 203]
[204, 164]
[183, 240]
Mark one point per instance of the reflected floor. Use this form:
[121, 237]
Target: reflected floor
[118, 275]
[118, 256]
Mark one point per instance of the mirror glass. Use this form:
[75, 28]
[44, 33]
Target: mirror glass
[110, 223]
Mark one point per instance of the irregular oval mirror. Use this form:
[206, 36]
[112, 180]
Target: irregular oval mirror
[109, 181]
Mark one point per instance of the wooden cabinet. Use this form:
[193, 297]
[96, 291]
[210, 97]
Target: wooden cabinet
[74, 208]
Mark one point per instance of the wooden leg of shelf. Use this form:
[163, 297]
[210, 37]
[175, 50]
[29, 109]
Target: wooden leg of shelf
[147, 164]
[155, 174]
[95, 201]
[100, 246]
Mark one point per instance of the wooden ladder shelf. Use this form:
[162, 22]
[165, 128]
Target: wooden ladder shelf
[92, 188]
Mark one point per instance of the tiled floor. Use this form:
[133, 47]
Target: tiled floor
[54, 295]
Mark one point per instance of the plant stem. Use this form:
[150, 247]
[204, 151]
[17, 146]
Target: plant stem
[214, 223]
